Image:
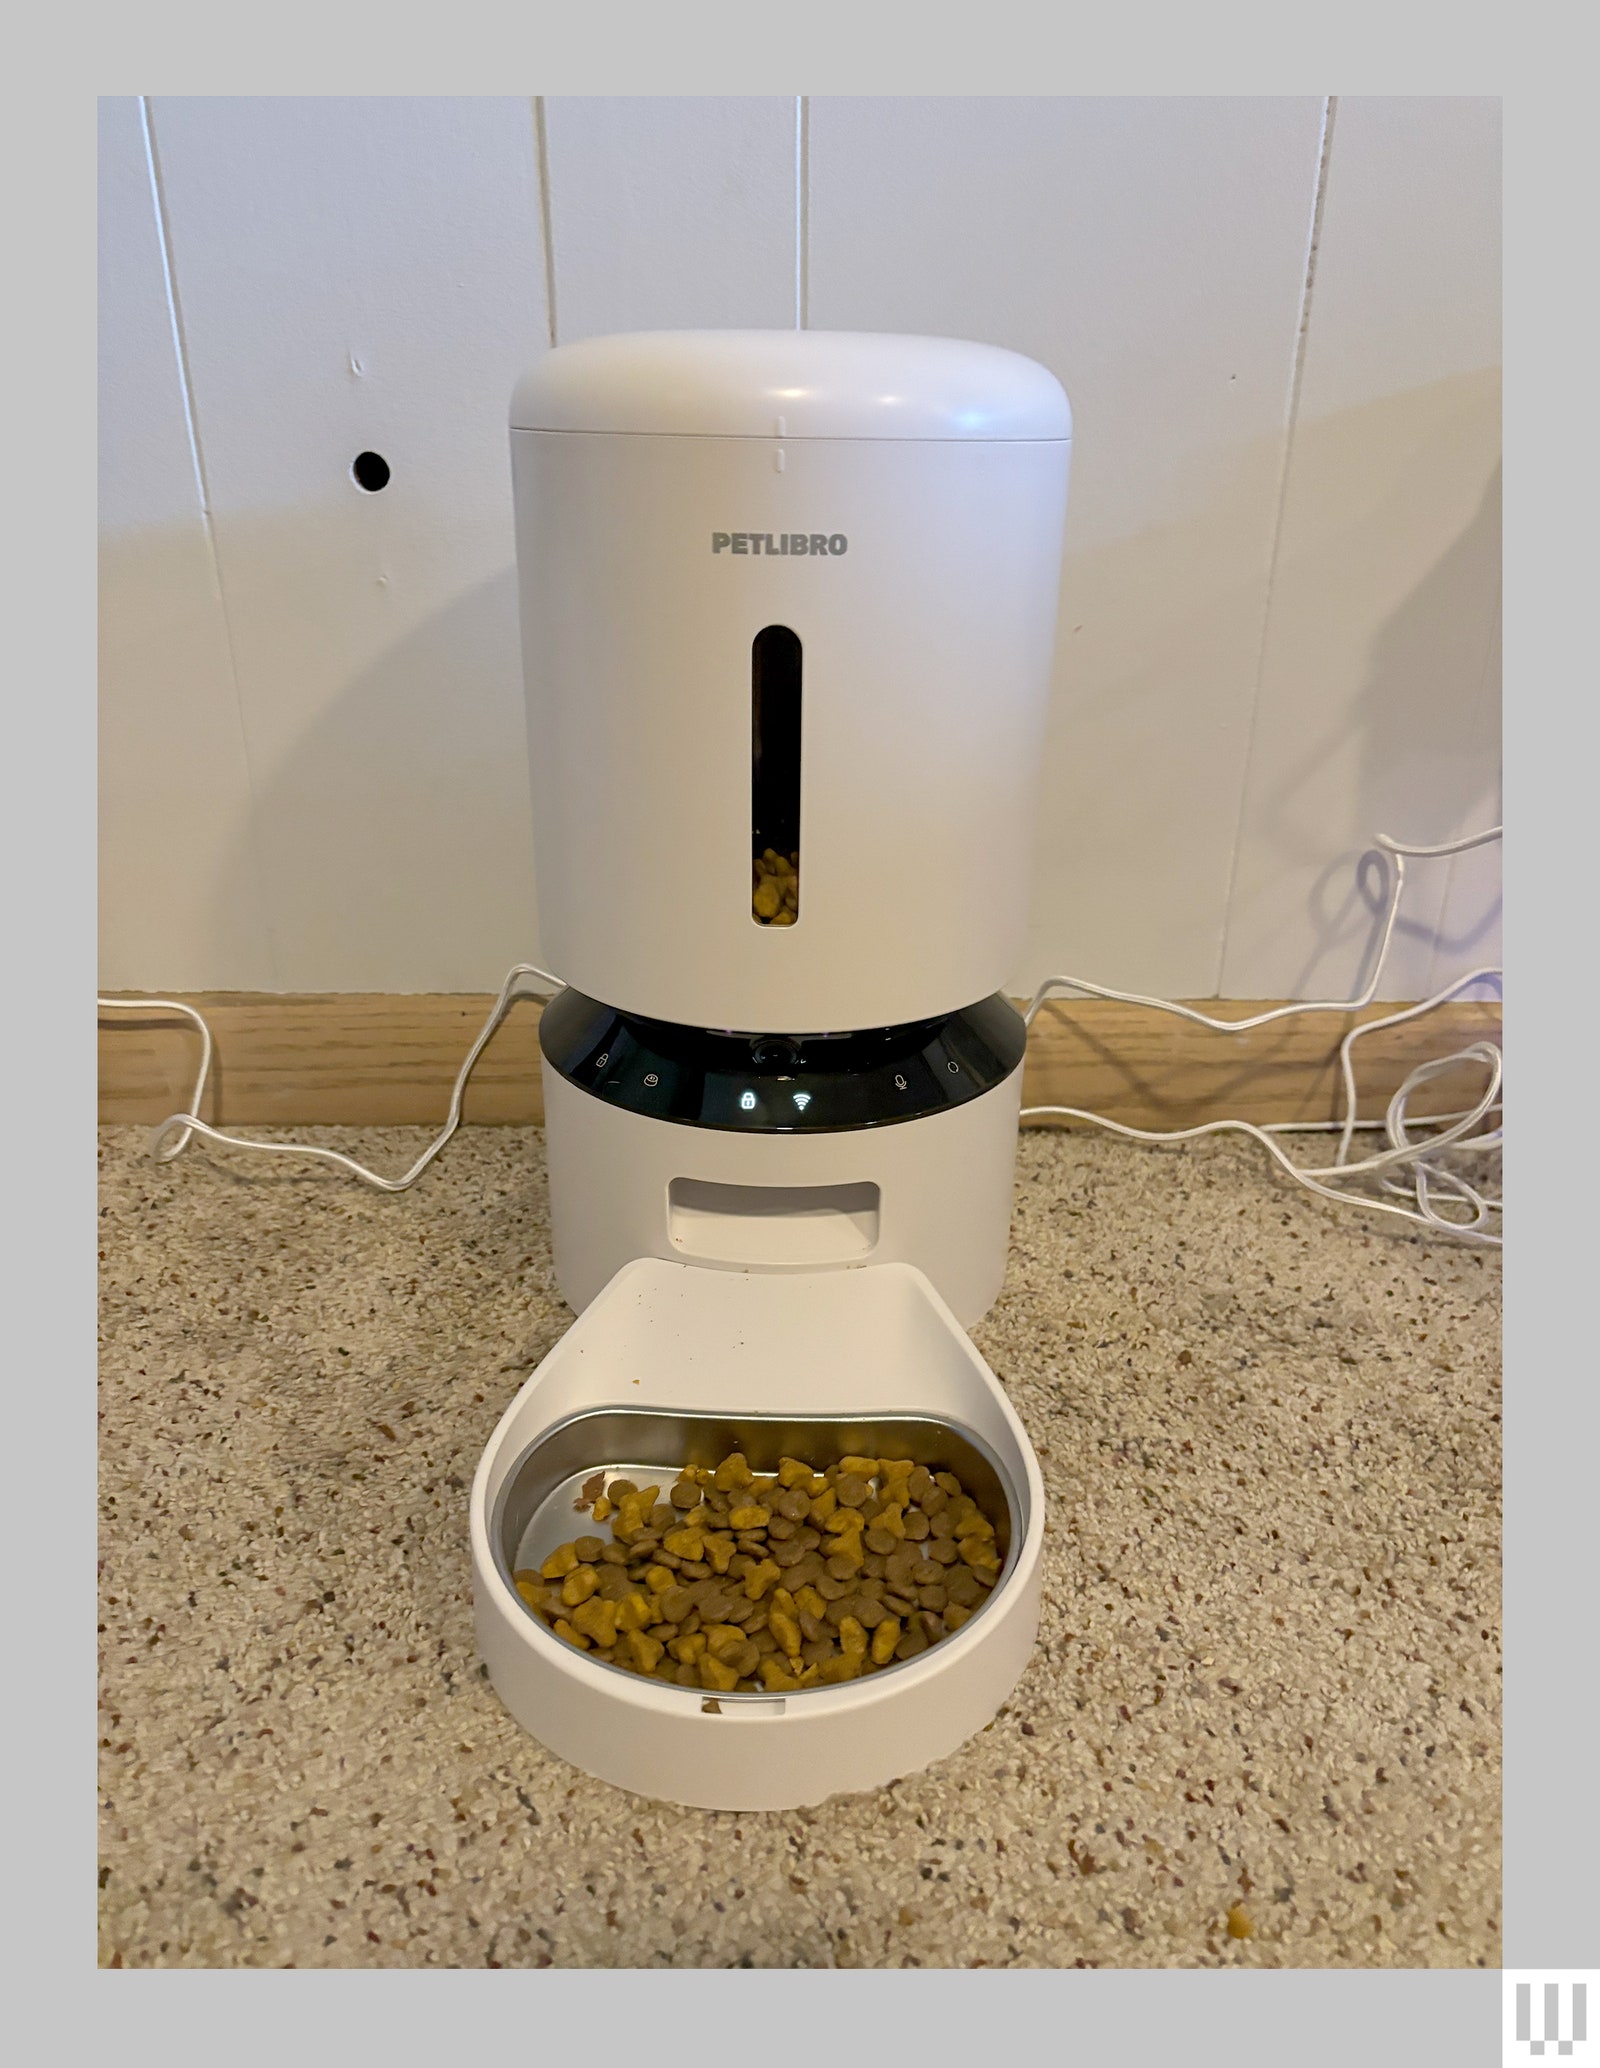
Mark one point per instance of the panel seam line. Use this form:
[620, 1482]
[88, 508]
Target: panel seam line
[180, 346]
[802, 211]
[1291, 425]
[541, 138]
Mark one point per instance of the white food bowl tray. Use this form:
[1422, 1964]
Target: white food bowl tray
[671, 1364]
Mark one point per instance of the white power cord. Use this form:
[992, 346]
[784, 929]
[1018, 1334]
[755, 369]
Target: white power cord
[188, 1125]
[1419, 1156]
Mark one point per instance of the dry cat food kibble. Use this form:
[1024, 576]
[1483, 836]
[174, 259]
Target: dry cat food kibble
[775, 894]
[743, 1583]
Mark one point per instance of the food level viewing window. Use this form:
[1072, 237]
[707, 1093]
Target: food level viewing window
[775, 776]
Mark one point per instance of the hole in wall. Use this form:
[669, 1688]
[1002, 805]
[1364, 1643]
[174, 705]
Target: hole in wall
[370, 470]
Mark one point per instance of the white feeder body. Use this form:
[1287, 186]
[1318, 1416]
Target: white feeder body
[788, 607]
[934, 1192]
[896, 504]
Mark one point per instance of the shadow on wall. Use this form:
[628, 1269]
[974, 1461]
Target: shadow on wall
[1422, 737]
[1355, 731]
[1155, 671]
[388, 842]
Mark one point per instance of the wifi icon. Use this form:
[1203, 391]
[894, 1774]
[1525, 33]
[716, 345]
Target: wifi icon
[802, 1099]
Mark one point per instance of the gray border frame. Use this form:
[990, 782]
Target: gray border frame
[1446, 2016]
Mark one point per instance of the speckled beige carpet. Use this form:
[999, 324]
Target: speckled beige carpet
[1260, 1728]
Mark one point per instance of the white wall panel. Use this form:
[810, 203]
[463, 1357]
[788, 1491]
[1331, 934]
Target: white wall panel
[175, 812]
[1468, 932]
[672, 214]
[1152, 254]
[1379, 701]
[313, 769]
[368, 275]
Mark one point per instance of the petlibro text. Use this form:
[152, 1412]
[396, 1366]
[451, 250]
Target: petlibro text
[815, 543]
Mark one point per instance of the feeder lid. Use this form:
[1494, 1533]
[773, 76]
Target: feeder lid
[791, 384]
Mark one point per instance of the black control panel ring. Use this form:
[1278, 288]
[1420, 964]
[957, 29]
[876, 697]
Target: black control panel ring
[786, 1084]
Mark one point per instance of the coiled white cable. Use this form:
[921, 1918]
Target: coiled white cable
[1416, 1155]
[188, 1125]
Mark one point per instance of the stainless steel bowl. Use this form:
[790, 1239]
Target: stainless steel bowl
[537, 1506]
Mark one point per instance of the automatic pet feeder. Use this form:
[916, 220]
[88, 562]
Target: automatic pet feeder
[785, 594]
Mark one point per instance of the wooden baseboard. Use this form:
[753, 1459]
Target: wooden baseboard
[365, 1059]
